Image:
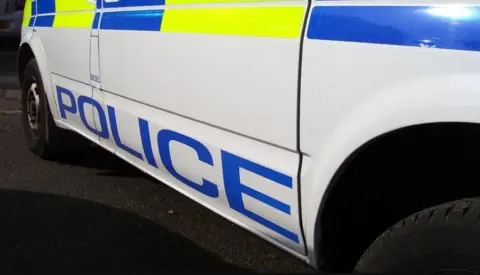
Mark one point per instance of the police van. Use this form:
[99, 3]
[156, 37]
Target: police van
[345, 132]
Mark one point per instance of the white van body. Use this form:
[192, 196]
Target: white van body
[250, 107]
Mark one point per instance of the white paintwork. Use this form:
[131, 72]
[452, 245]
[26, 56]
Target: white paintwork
[368, 90]
[33, 40]
[247, 85]
[109, 143]
[186, 162]
[233, 93]
[79, 89]
[127, 112]
[94, 63]
[203, 85]
[68, 51]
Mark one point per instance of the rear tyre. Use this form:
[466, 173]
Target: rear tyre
[43, 137]
[445, 238]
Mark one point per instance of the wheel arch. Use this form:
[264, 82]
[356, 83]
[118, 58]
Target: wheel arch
[32, 49]
[25, 54]
[333, 137]
[461, 143]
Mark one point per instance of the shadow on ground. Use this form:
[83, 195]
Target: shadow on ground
[9, 44]
[90, 155]
[41, 232]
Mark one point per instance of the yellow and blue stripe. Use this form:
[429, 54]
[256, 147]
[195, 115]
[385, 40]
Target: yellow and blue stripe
[280, 21]
[145, 3]
[264, 21]
[65, 13]
[444, 27]
[29, 13]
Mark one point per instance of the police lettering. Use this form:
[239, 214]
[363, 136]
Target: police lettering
[231, 164]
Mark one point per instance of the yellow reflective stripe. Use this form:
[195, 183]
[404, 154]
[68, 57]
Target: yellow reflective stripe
[279, 21]
[74, 20]
[181, 2]
[73, 14]
[73, 5]
[27, 13]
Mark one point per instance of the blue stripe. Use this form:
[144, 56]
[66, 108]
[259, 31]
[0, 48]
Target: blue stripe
[133, 3]
[34, 8]
[444, 27]
[45, 6]
[96, 20]
[99, 4]
[31, 23]
[44, 21]
[147, 20]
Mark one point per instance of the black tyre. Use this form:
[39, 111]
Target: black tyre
[44, 138]
[445, 238]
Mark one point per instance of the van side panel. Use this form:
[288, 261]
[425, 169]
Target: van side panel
[371, 67]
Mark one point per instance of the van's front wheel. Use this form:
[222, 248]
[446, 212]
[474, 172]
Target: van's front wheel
[441, 239]
[43, 137]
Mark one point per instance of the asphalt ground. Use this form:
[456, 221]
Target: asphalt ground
[93, 212]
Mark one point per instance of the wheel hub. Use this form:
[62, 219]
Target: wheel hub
[33, 106]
